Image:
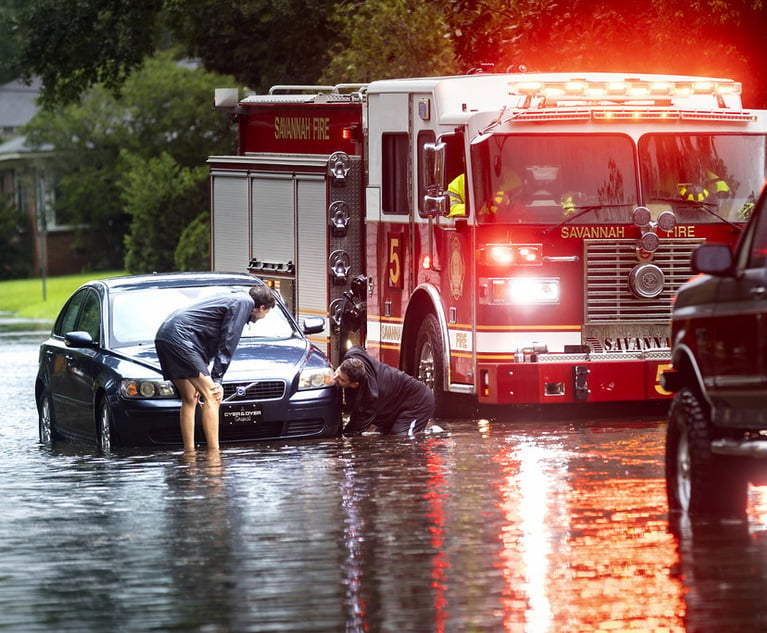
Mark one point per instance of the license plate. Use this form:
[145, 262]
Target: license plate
[241, 414]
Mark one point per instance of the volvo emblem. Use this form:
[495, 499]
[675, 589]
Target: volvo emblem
[241, 391]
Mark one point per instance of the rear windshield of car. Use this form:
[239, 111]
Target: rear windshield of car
[137, 314]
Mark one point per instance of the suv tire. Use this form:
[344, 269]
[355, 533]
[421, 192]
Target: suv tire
[697, 480]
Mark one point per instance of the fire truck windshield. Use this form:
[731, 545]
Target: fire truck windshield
[543, 179]
[703, 177]
[587, 179]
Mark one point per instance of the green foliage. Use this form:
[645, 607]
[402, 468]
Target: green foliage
[260, 42]
[9, 44]
[15, 243]
[162, 199]
[165, 109]
[389, 38]
[72, 45]
[193, 250]
[706, 37]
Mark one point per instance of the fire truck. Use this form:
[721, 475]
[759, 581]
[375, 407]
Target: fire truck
[517, 238]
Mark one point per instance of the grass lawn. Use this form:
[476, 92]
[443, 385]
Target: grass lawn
[24, 297]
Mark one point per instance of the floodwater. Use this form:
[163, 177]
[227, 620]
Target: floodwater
[494, 525]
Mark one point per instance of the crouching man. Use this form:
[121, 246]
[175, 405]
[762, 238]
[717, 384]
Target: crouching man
[380, 395]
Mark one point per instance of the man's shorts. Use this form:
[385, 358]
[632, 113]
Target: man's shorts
[178, 363]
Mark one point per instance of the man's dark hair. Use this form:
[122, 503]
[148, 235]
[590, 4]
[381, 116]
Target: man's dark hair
[263, 296]
[354, 369]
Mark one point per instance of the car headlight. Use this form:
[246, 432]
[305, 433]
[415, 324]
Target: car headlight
[147, 389]
[316, 378]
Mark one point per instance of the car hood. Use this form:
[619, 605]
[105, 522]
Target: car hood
[252, 359]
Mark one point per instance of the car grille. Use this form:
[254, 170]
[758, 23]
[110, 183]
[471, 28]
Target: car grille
[259, 390]
[608, 265]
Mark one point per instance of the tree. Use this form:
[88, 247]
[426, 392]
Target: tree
[165, 109]
[389, 38]
[705, 37]
[193, 250]
[259, 42]
[15, 242]
[74, 44]
[9, 44]
[162, 199]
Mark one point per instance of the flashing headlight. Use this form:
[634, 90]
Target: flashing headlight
[315, 378]
[511, 254]
[529, 290]
[523, 291]
[145, 389]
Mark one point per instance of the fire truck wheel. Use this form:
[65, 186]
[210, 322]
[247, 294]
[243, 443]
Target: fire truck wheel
[697, 480]
[429, 365]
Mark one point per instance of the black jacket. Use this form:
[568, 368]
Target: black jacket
[382, 395]
[212, 328]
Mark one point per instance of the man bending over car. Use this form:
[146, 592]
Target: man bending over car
[193, 336]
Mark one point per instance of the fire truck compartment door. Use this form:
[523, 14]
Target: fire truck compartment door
[230, 222]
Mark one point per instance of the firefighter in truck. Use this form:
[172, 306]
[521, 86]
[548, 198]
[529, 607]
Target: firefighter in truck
[514, 239]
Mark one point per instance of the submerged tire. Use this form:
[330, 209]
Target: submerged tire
[697, 480]
[429, 361]
[104, 427]
[46, 426]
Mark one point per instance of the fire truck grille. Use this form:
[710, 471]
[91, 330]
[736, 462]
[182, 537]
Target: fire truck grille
[608, 266]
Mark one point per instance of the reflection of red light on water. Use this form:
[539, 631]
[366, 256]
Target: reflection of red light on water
[436, 496]
[585, 552]
[757, 504]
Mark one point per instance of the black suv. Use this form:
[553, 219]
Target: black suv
[716, 441]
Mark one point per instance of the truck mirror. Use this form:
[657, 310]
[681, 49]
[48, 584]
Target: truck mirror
[435, 202]
[435, 205]
[434, 166]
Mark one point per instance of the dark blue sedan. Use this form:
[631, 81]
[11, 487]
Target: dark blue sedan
[99, 379]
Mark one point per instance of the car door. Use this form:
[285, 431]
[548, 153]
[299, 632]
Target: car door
[56, 357]
[740, 336]
[83, 366]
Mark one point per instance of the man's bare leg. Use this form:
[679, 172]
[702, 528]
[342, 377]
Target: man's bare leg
[212, 393]
[189, 397]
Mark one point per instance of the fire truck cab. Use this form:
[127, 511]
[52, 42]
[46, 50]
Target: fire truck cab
[514, 237]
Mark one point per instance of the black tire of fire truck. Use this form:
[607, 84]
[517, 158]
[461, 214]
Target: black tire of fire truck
[699, 482]
[429, 362]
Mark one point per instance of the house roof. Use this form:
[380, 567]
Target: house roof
[17, 103]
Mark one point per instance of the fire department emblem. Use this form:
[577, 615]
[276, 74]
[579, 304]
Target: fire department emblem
[455, 268]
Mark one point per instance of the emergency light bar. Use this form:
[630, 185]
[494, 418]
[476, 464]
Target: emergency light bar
[634, 88]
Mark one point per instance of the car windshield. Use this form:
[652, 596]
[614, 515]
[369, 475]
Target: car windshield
[137, 314]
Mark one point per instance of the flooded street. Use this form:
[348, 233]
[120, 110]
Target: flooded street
[496, 525]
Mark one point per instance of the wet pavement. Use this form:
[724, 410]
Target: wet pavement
[494, 525]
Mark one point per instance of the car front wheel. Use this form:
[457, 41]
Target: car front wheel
[45, 424]
[698, 481]
[104, 427]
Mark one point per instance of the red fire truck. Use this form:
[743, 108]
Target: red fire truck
[514, 237]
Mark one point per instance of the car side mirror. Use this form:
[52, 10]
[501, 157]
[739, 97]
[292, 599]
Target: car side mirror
[313, 325]
[713, 259]
[78, 339]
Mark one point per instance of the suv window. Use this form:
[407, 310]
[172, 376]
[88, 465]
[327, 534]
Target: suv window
[756, 242]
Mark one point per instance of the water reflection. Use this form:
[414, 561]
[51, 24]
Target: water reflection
[494, 526]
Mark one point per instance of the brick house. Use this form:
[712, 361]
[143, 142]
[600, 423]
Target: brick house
[23, 183]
